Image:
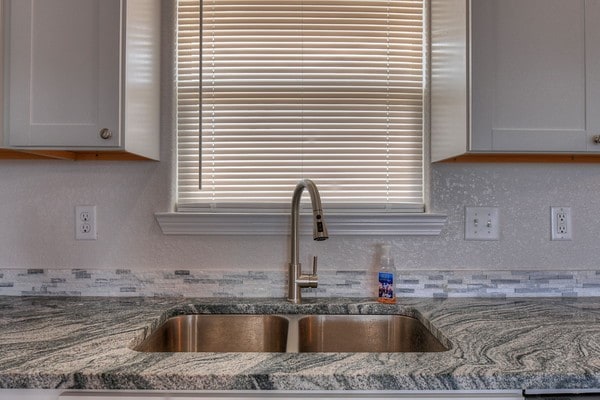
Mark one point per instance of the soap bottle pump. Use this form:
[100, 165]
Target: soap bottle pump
[386, 277]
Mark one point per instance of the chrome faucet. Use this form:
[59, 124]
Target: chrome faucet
[297, 280]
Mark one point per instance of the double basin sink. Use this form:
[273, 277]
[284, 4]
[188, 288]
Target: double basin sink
[291, 334]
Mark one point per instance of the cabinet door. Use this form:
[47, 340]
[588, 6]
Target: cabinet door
[592, 16]
[529, 78]
[63, 76]
[298, 395]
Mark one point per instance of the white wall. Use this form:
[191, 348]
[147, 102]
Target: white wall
[37, 200]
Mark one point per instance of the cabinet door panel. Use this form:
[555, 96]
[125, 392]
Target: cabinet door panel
[529, 75]
[64, 72]
[592, 16]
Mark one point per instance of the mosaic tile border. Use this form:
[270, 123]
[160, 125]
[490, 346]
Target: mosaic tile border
[231, 283]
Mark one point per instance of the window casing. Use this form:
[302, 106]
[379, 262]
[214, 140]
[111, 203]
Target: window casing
[328, 90]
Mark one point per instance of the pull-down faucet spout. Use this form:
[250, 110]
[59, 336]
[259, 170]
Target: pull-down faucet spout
[296, 279]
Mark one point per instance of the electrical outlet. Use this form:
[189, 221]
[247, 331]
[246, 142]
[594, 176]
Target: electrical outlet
[85, 223]
[482, 223]
[561, 226]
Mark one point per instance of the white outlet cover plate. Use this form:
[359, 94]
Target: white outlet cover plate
[554, 232]
[482, 223]
[85, 228]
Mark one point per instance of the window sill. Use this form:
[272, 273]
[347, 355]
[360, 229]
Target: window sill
[207, 223]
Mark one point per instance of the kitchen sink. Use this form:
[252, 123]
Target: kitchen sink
[218, 333]
[365, 333]
[292, 334]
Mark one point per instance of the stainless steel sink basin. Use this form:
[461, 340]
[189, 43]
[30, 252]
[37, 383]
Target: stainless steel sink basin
[365, 333]
[292, 334]
[219, 333]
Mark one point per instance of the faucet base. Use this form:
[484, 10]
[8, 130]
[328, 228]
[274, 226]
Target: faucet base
[297, 281]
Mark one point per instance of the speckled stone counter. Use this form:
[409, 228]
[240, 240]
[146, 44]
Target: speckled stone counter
[86, 343]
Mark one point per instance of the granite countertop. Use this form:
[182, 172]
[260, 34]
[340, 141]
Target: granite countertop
[85, 343]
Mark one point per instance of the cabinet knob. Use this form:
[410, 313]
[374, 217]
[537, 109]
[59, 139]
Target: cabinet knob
[105, 133]
[596, 139]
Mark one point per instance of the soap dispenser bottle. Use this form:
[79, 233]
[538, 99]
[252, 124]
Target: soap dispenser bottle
[386, 277]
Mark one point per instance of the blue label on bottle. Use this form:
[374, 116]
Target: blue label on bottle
[386, 285]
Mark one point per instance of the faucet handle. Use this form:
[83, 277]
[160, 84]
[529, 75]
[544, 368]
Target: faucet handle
[314, 265]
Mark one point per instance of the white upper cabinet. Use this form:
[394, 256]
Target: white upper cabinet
[513, 76]
[82, 75]
[63, 72]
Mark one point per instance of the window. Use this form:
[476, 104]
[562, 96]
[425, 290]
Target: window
[330, 90]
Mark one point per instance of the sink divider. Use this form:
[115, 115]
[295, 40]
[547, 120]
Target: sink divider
[293, 339]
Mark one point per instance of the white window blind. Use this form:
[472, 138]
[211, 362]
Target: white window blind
[330, 90]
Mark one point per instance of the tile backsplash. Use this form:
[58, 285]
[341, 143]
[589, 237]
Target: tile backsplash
[230, 283]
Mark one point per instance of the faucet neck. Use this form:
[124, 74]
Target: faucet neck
[320, 232]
